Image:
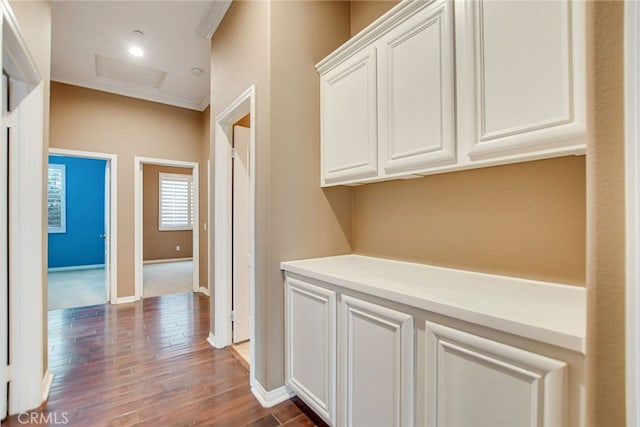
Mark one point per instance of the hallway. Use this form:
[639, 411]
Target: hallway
[148, 363]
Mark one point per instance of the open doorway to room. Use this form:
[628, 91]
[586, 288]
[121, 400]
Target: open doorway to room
[167, 223]
[166, 227]
[79, 229]
[240, 314]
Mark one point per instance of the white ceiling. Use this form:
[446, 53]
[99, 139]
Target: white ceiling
[86, 33]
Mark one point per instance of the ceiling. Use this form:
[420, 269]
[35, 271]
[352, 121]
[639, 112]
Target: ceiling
[91, 39]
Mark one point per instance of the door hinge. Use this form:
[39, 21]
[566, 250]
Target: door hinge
[233, 316]
[234, 153]
[7, 371]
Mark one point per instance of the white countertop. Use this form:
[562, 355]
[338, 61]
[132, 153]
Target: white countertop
[542, 311]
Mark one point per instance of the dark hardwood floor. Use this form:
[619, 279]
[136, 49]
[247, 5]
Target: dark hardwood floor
[148, 363]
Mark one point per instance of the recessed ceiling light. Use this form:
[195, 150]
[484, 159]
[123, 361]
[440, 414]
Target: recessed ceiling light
[136, 51]
[197, 71]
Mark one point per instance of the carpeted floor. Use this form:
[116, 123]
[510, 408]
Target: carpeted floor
[81, 288]
[167, 278]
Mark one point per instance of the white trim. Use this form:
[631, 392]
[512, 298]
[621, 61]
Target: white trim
[204, 291]
[211, 18]
[112, 159]
[164, 261]
[222, 283]
[212, 340]
[271, 398]
[208, 227]
[126, 300]
[75, 267]
[47, 380]
[138, 218]
[632, 183]
[26, 279]
[115, 89]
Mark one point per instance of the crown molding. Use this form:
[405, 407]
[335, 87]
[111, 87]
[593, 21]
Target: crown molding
[211, 18]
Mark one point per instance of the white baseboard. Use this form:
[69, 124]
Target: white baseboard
[46, 385]
[212, 340]
[162, 261]
[125, 300]
[205, 291]
[75, 267]
[270, 398]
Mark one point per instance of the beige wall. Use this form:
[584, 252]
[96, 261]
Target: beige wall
[34, 19]
[275, 46]
[364, 12]
[156, 244]
[606, 229]
[524, 220]
[88, 120]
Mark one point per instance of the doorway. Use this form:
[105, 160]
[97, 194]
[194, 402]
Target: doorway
[166, 227]
[223, 269]
[82, 228]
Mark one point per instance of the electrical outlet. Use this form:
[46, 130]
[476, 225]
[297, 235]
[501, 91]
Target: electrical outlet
[178, 248]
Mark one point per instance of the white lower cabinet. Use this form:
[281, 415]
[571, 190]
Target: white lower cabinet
[376, 365]
[389, 345]
[311, 346]
[472, 380]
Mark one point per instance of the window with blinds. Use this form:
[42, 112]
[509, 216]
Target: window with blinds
[176, 209]
[56, 199]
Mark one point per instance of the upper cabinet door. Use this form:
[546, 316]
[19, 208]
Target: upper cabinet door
[349, 120]
[521, 77]
[416, 90]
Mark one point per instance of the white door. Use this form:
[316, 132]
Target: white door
[310, 345]
[349, 120]
[376, 365]
[4, 243]
[107, 229]
[241, 314]
[416, 90]
[471, 380]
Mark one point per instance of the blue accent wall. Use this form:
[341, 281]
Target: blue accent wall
[81, 244]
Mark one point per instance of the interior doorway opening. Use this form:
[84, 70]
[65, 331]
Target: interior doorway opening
[80, 225]
[166, 261]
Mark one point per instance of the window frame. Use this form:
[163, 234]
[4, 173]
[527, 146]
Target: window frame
[63, 199]
[191, 202]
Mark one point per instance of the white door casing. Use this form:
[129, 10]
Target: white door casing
[310, 345]
[241, 254]
[471, 380]
[416, 92]
[376, 339]
[4, 259]
[107, 231]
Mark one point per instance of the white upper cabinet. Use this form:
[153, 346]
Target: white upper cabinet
[526, 60]
[349, 125]
[416, 92]
[442, 85]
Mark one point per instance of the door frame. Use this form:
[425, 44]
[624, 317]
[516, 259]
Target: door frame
[139, 219]
[223, 222]
[632, 207]
[112, 159]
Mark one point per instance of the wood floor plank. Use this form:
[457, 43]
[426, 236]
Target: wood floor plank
[148, 364]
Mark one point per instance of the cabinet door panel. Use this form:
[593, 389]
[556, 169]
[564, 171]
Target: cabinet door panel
[529, 91]
[472, 380]
[377, 365]
[349, 120]
[416, 88]
[310, 345]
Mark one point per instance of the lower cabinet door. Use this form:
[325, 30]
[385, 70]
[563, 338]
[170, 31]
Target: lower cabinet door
[472, 380]
[376, 365]
[310, 346]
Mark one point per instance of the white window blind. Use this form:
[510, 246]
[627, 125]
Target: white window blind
[56, 199]
[176, 210]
